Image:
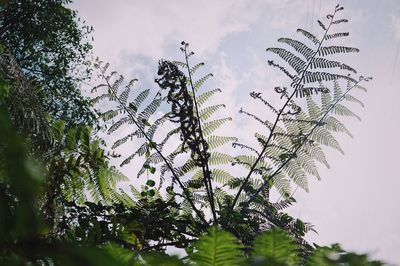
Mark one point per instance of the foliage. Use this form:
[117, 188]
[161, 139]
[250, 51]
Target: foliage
[59, 198]
[196, 170]
[51, 47]
[217, 248]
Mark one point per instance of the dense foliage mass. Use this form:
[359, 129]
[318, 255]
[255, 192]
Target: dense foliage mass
[59, 204]
[51, 47]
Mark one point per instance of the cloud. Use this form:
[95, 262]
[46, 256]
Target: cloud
[147, 28]
[395, 26]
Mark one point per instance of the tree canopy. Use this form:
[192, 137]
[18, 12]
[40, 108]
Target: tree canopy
[51, 46]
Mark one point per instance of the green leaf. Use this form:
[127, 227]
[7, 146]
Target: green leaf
[150, 183]
[275, 247]
[145, 122]
[151, 193]
[152, 170]
[217, 247]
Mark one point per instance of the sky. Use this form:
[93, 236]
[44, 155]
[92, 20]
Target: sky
[356, 202]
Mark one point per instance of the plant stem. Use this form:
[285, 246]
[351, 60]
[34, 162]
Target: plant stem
[205, 166]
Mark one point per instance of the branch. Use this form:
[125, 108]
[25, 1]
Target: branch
[205, 166]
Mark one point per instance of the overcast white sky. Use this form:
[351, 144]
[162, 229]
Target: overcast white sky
[356, 203]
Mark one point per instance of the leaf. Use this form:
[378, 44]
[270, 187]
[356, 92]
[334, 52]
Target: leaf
[299, 47]
[275, 248]
[294, 61]
[321, 25]
[150, 183]
[329, 50]
[309, 36]
[217, 248]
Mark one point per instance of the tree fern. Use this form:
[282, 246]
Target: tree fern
[135, 114]
[294, 138]
[195, 168]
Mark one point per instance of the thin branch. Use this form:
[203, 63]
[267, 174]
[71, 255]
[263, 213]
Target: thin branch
[165, 244]
[205, 167]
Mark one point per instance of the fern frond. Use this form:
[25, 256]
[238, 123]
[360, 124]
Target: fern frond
[211, 126]
[195, 68]
[323, 136]
[325, 63]
[336, 35]
[282, 184]
[217, 248]
[310, 77]
[309, 35]
[294, 61]
[207, 112]
[329, 50]
[202, 98]
[149, 110]
[101, 97]
[217, 141]
[299, 47]
[276, 248]
[125, 94]
[332, 124]
[110, 114]
[135, 104]
[118, 124]
[351, 98]
[218, 158]
[197, 85]
[342, 110]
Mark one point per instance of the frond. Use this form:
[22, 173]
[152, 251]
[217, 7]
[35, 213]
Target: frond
[197, 85]
[217, 248]
[325, 63]
[342, 110]
[300, 47]
[218, 158]
[216, 141]
[207, 112]
[310, 77]
[134, 105]
[115, 126]
[332, 124]
[202, 98]
[195, 68]
[295, 172]
[149, 110]
[329, 50]
[211, 126]
[336, 35]
[294, 61]
[276, 248]
[323, 136]
[351, 98]
[309, 35]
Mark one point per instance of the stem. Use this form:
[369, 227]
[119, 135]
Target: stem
[205, 167]
[278, 118]
[185, 192]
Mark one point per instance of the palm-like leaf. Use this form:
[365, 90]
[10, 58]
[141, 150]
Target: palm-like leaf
[217, 248]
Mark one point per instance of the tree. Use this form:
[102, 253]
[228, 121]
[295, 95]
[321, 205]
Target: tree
[52, 48]
[198, 205]
[196, 174]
